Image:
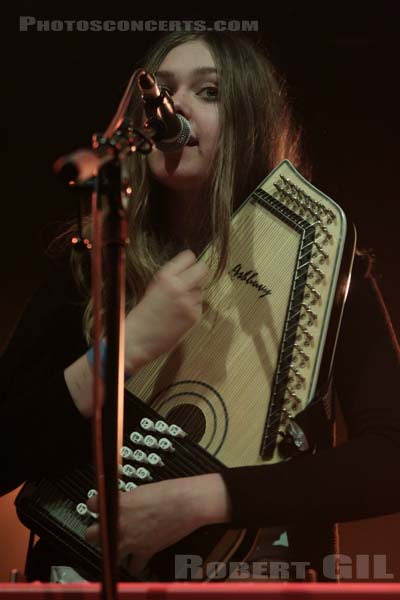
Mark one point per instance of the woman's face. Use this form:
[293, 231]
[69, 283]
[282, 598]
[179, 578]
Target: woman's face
[188, 72]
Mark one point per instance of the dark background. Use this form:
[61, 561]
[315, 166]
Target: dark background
[341, 63]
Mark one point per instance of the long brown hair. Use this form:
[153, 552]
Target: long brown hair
[257, 132]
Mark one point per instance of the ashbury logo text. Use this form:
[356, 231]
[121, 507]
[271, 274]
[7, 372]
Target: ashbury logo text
[250, 278]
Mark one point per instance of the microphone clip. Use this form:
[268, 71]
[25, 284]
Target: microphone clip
[152, 103]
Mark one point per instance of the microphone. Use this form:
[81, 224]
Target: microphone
[172, 130]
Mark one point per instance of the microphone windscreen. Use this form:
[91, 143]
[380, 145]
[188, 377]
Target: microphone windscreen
[172, 145]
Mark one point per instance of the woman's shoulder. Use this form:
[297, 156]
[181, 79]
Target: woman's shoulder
[60, 282]
[367, 327]
[55, 300]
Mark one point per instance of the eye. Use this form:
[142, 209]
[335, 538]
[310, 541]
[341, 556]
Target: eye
[208, 93]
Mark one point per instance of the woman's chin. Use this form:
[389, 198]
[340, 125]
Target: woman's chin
[178, 170]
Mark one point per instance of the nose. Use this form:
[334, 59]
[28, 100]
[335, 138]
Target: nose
[182, 104]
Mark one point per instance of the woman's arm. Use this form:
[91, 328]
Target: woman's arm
[171, 305]
[40, 426]
[46, 380]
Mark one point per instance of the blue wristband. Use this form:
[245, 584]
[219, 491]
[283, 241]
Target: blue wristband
[90, 357]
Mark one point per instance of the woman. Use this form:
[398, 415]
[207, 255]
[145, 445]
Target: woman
[241, 128]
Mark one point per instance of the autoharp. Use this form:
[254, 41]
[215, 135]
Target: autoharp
[231, 392]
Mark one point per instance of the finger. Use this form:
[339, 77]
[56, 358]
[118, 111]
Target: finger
[179, 263]
[196, 297]
[92, 535]
[136, 564]
[195, 276]
[93, 503]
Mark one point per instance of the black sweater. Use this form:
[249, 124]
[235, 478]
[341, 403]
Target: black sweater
[41, 429]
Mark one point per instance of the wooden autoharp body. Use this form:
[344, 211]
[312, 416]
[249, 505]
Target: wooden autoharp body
[261, 354]
[265, 344]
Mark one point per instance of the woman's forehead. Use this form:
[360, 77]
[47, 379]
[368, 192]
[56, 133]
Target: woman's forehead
[186, 58]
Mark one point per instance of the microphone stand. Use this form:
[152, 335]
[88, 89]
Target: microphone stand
[103, 162]
[109, 419]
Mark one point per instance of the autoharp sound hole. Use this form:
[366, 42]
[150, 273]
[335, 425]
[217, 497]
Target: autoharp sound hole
[190, 418]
